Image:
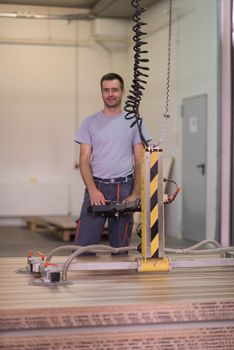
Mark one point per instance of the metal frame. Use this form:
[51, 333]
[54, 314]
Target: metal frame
[225, 113]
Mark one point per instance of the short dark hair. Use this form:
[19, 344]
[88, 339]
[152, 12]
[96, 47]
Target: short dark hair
[112, 76]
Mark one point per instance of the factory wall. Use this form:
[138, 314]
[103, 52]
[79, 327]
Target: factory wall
[50, 73]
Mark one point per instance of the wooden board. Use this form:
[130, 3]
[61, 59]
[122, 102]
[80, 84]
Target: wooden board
[193, 308]
[202, 338]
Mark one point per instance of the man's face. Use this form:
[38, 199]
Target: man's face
[112, 93]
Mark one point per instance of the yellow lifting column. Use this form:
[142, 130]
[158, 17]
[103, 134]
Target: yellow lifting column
[152, 212]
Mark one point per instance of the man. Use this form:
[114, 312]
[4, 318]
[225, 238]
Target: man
[110, 165]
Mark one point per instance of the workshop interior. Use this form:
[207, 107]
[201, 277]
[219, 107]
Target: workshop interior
[175, 288]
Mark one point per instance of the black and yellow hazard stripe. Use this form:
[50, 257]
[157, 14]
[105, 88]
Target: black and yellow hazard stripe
[154, 204]
[150, 204]
[144, 208]
[152, 216]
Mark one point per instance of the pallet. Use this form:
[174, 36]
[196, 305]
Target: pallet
[63, 225]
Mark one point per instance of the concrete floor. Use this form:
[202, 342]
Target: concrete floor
[16, 241]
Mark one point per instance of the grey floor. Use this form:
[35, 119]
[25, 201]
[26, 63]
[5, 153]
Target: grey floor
[17, 241]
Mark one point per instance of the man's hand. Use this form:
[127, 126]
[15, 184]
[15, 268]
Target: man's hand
[132, 198]
[96, 197]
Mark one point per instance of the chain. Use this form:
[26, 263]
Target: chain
[166, 113]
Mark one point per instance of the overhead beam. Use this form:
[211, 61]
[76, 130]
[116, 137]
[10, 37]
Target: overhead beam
[101, 5]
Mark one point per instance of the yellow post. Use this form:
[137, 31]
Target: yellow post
[152, 211]
[154, 265]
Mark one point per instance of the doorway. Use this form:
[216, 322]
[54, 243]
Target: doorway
[194, 133]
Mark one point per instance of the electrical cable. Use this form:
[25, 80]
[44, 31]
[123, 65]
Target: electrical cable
[171, 197]
[58, 249]
[133, 100]
[100, 248]
[193, 249]
[201, 251]
[94, 249]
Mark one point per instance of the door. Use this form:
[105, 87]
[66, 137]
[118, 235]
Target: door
[194, 118]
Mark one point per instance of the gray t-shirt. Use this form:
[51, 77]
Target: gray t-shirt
[112, 140]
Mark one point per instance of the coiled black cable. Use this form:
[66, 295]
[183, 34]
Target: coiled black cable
[133, 100]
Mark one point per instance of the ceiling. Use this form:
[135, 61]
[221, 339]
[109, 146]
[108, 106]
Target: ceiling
[98, 8]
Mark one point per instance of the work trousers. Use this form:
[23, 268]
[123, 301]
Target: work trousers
[90, 227]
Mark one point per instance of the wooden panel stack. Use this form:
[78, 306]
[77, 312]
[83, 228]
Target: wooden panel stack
[184, 309]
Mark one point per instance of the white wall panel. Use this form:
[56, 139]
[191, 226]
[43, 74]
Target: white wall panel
[21, 199]
[46, 91]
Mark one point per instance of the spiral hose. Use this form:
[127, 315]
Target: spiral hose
[133, 100]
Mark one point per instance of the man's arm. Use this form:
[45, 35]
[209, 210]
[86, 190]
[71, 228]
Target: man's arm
[96, 196]
[136, 192]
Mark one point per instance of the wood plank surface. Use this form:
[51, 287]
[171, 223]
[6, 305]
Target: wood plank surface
[196, 301]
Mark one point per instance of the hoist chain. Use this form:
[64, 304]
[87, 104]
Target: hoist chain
[166, 113]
